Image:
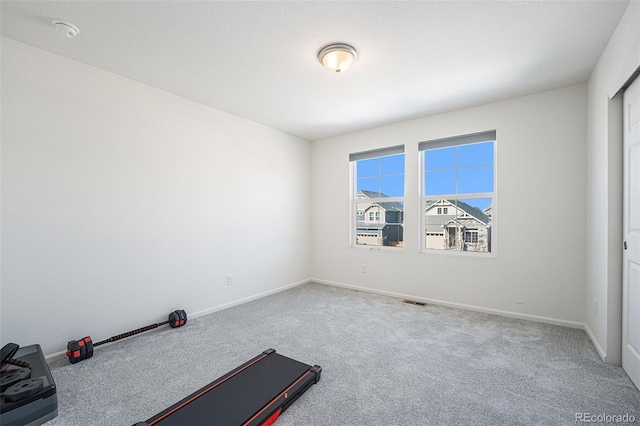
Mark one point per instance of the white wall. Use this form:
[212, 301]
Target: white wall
[122, 203]
[539, 269]
[604, 186]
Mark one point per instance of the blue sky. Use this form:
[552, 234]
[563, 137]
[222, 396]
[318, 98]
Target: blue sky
[454, 170]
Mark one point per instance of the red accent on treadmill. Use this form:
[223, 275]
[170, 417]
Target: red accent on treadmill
[68, 353]
[271, 420]
[274, 400]
[76, 354]
[81, 343]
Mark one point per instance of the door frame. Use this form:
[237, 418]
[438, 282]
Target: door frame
[632, 368]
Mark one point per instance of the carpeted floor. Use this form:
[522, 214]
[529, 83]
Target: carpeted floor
[384, 363]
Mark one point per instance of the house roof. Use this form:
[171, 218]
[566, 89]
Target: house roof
[372, 194]
[435, 222]
[388, 206]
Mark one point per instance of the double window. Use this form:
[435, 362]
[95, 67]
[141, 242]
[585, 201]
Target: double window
[378, 197]
[457, 201]
[458, 181]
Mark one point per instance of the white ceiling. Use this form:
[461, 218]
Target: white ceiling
[258, 59]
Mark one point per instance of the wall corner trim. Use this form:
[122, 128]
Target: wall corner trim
[247, 299]
[596, 344]
[536, 318]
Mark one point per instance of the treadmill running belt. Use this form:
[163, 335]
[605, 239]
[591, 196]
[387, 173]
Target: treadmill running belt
[250, 394]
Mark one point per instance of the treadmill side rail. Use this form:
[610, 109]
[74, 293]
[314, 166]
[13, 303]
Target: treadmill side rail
[253, 394]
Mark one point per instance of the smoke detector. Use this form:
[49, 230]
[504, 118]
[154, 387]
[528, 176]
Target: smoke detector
[67, 28]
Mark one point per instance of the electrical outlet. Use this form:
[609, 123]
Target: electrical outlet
[229, 279]
[364, 268]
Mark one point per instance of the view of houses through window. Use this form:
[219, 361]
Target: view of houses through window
[458, 192]
[459, 226]
[382, 225]
[379, 197]
[457, 179]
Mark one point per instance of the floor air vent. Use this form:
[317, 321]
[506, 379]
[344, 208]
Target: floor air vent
[414, 302]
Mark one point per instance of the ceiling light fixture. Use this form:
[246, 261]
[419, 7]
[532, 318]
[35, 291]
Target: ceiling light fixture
[67, 28]
[337, 57]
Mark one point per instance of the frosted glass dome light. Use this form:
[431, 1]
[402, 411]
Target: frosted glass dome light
[337, 57]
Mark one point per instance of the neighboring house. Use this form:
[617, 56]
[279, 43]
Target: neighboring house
[378, 223]
[455, 225]
[487, 211]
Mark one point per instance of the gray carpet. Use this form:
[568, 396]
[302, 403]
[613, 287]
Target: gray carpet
[384, 363]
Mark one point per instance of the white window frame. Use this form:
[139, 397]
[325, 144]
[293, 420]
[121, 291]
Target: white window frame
[470, 232]
[354, 200]
[486, 136]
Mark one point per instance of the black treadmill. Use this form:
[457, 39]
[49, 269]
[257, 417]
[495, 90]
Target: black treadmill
[255, 393]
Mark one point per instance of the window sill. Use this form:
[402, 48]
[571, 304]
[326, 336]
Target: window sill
[378, 248]
[435, 252]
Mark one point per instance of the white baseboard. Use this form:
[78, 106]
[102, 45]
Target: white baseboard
[596, 343]
[56, 355]
[247, 299]
[536, 318]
